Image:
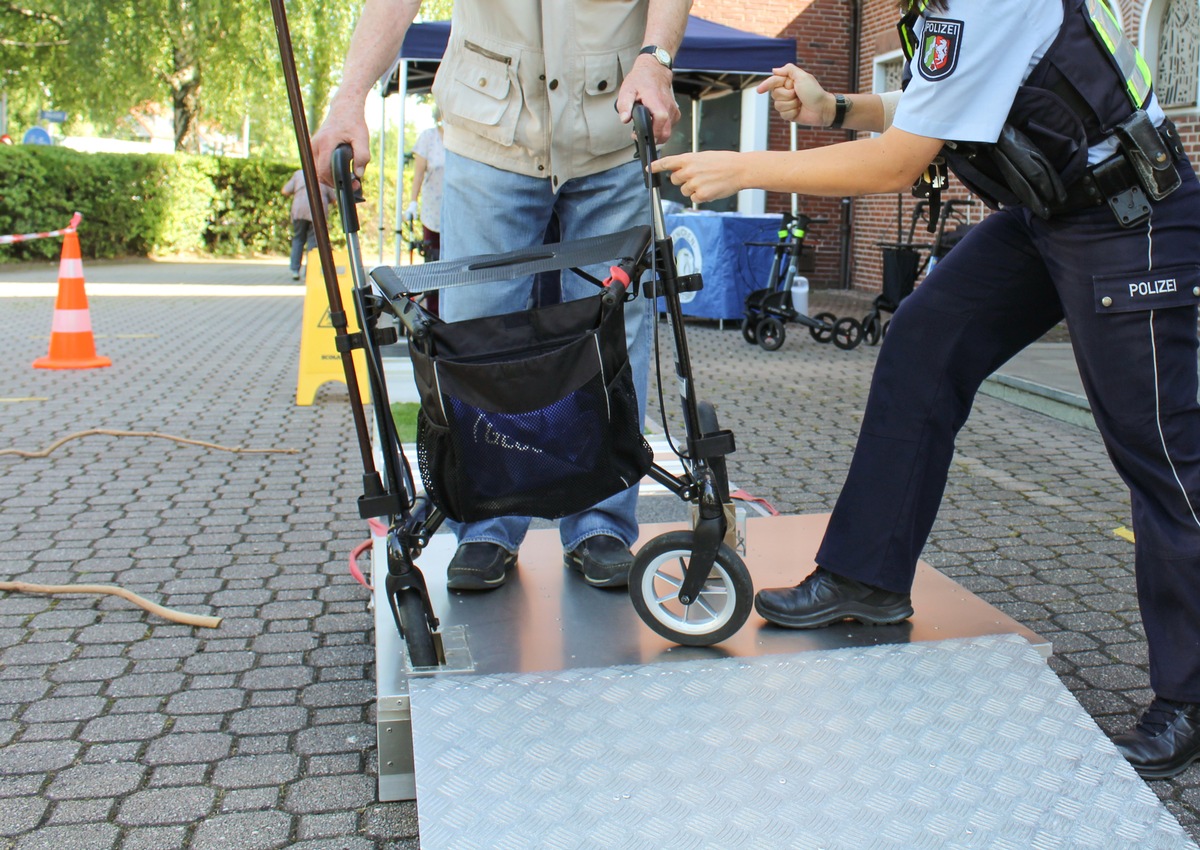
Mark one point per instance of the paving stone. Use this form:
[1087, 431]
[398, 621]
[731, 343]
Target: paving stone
[329, 794]
[39, 757]
[246, 831]
[166, 806]
[93, 836]
[189, 748]
[107, 781]
[252, 771]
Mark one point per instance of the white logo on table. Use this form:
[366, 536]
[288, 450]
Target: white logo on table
[688, 259]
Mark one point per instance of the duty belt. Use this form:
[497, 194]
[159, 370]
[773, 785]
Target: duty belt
[1115, 181]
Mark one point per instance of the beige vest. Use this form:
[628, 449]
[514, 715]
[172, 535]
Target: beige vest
[550, 112]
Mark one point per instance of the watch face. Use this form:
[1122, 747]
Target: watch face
[663, 56]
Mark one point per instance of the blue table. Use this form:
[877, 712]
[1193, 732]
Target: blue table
[713, 244]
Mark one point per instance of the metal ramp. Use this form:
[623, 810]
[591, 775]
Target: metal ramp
[960, 743]
[565, 722]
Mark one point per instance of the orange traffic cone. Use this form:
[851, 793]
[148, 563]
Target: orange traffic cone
[71, 342]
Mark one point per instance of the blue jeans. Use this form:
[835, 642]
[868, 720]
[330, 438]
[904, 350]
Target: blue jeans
[304, 238]
[486, 210]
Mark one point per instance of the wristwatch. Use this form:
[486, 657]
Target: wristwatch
[663, 57]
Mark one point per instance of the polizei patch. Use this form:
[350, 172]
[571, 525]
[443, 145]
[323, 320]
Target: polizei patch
[940, 41]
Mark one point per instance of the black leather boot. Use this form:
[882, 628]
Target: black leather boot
[1165, 741]
[825, 598]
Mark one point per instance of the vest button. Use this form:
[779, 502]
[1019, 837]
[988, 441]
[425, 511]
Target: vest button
[553, 85]
[602, 85]
[1106, 301]
[483, 82]
[1196, 291]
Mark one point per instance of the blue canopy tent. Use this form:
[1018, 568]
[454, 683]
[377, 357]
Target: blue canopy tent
[713, 60]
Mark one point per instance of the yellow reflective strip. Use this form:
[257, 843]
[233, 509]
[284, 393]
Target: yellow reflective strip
[1144, 68]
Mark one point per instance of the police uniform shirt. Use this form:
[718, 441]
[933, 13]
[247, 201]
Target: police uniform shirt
[970, 61]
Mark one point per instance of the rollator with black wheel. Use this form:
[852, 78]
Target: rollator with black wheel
[767, 310]
[531, 413]
[903, 264]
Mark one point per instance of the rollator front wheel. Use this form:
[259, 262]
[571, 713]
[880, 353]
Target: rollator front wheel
[823, 332]
[748, 325]
[872, 328]
[417, 637]
[720, 609]
[770, 333]
[847, 333]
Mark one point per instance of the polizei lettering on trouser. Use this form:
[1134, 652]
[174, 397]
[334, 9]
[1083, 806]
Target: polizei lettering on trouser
[1152, 287]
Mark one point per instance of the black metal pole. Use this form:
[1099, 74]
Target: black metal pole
[337, 312]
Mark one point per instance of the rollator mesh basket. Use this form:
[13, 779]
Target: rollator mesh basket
[899, 274]
[528, 414]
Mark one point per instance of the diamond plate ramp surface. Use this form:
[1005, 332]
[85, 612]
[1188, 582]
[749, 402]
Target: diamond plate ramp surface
[958, 743]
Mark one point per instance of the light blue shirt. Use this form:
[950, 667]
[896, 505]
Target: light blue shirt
[998, 44]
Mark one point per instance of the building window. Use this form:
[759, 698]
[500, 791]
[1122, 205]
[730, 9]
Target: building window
[1178, 61]
[889, 72]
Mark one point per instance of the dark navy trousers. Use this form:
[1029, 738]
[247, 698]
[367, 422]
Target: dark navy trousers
[1130, 300]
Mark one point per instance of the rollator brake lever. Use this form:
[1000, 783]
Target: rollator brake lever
[348, 194]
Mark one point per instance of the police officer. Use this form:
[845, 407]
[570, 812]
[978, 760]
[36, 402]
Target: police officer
[1044, 110]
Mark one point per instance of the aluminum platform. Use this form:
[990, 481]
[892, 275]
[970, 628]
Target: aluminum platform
[567, 722]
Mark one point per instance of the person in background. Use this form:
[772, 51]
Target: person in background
[304, 237]
[429, 164]
[429, 161]
[534, 97]
[1046, 111]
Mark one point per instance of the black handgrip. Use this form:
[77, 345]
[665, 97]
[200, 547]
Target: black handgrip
[343, 183]
[643, 127]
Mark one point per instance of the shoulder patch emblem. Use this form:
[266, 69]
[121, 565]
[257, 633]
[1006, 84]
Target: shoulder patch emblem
[940, 41]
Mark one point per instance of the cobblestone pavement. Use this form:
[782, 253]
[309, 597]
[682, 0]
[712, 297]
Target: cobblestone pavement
[118, 730]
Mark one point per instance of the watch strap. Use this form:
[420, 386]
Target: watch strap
[839, 111]
[658, 52]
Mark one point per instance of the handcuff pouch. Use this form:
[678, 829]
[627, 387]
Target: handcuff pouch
[1152, 160]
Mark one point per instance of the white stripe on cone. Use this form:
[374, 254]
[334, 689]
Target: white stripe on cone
[71, 322]
[70, 269]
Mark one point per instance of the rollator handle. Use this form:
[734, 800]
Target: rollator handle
[343, 182]
[643, 126]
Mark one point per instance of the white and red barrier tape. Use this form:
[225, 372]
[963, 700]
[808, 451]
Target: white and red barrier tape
[25, 237]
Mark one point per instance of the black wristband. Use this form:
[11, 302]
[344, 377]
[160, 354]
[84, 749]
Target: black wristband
[839, 111]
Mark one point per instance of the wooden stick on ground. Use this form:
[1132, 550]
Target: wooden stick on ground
[166, 613]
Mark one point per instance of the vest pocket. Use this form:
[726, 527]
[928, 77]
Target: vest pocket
[602, 82]
[482, 95]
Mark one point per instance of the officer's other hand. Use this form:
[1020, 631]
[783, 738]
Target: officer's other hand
[704, 176]
[798, 97]
[410, 211]
[650, 82]
[345, 122]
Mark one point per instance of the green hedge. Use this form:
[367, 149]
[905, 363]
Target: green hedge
[142, 204]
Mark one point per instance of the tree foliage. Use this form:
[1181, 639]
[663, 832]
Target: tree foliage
[214, 62]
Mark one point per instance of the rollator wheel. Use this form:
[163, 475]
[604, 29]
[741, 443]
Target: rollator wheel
[847, 333]
[771, 333]
[720, 609]
[417, 637]
[884, 330]
[748, 325]
[872, 329]
[823, 334]
[707, 414]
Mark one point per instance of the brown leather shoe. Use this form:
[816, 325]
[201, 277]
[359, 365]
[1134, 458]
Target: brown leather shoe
[1165, 741]
[825, 598]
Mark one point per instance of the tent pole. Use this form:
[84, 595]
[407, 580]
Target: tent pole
[402, 90]
[381, 160]
[695, 132]
[795, 197]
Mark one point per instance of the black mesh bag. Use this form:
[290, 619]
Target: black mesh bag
[899, 275]
[528, 414]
